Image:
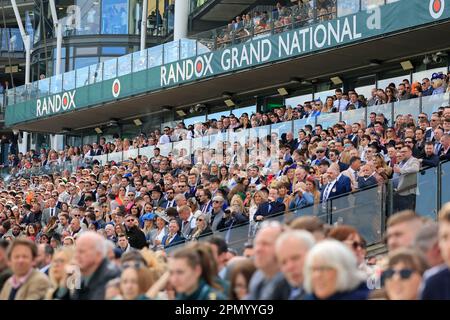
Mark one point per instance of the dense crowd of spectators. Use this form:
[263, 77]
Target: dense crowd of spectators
[103, 231]
[295, 13]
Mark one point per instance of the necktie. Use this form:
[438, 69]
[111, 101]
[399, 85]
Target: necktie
[52, 212]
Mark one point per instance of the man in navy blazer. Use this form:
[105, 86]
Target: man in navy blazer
[173, 237]
[269, 208]
[338, 184]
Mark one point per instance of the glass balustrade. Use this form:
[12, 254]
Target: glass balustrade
[124, 64]
[427, 193]
[109, 69]
[445, 182]
[432, 103]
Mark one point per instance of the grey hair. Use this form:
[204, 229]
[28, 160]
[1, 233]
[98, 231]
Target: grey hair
[100, 244]
[338, 256]
[302, 236]
[426, 237]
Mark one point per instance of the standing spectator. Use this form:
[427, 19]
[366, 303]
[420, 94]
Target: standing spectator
[405, 181]
[26, 283]
[135, 236]
[340, 104]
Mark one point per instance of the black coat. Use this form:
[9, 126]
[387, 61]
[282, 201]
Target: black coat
[136, 238]
[95, 288]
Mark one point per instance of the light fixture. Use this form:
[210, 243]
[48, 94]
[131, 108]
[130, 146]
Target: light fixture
[282, 92]
[407, 65]
[374, 62]
[98, 130]
[336, 80]
[230, 103]
[181, 113]
[296, 80]
[427, 60]
[437, 57]
[137, 122]
[306, 83]
[113, 122]
[65, 130]
[227, 95]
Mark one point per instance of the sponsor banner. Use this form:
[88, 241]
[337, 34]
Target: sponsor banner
[270, 48]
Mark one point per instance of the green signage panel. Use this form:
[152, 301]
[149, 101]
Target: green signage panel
[260, 50]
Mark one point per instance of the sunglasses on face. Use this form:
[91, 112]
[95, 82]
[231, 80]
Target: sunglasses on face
[404, 273]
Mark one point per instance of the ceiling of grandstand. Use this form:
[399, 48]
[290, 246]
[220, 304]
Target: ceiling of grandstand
[345, 61]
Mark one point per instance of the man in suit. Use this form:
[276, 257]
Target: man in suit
[429, 159]
[44, 257]
[187, 220]
[405, 180]
[352, 172]
[26, 283]
[366, 177]
[445, 152]
[96, 150]
[173, 237]
[271, 207]
[158, 201]
[334, 158]
[51, 211]
[94, 267]
[338, 184]
[170, 201]
[28, 217]
[291, 249]
[216, 213]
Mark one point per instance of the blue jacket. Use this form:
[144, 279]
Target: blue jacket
[307, 199]
[437, 287]
[342, 186]
[177, 240]
[360, 293]
[264, 210]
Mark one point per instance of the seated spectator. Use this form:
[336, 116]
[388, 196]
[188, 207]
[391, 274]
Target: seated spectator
[330, 273]
[403, 275]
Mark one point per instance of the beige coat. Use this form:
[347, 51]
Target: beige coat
[34, 288]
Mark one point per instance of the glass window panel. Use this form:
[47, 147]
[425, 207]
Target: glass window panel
[432, 103]
[44, 87]
[155, 57]
[82, 77]
[385, 109]
[418, 76]
[410, 106]
[85, 61]
[327, 120]
[426, 199]
[249, 110]
[194, 120]
[86, 51]
[114, 50]
[187, 48]
[346, 7]
[352, 116]
[56, 84]
[110, 69]
[171, 51]
[295, 101]
[69, 80]
[124, 64]
[382, 84]
[366, 91]
[367, 4]
[95, 73]
[139, 60]
[323, 95]
[115, 17]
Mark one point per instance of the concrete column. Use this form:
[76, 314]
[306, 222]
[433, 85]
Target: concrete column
[181, 19]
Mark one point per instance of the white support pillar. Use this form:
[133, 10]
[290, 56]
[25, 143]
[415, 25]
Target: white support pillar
[144, 23]
[58, 30]
[26, 41]
[181, 19]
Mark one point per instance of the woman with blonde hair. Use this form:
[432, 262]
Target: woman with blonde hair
[60, 272]
[201, 228]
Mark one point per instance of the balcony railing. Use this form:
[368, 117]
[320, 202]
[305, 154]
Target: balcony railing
[367, 210]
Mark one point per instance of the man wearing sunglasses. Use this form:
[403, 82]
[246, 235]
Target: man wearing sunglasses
[427, 89]
[135, 236]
